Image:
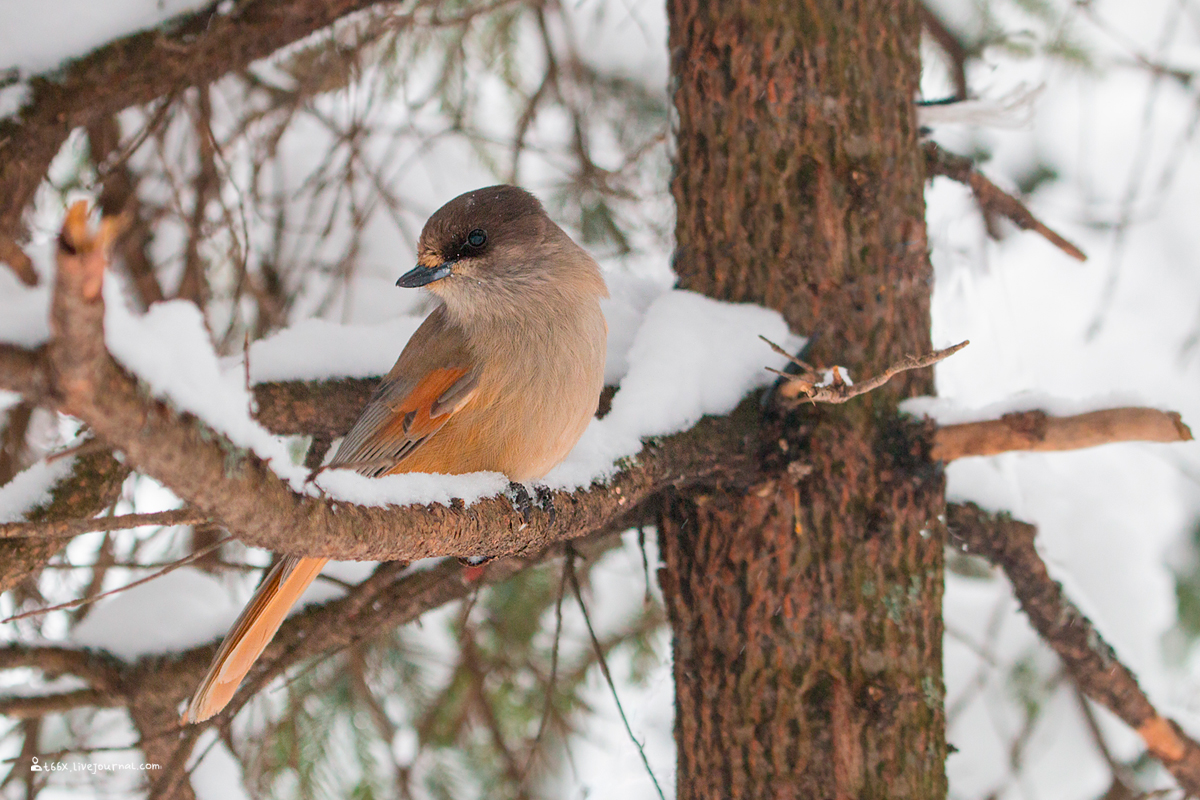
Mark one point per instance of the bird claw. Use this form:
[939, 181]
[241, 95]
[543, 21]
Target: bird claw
[518, 495]
[545, 501]
[521, 500]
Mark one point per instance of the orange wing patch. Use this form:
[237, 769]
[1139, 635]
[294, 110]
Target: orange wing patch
[390, 429]
[420, 415]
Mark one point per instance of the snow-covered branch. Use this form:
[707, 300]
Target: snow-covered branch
[195, 50]
[241, 491]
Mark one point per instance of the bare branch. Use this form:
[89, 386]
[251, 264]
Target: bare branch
[810, 383]
[40, 705]
[1091, 662]
[1039, 432]
[991, 197]
[318, 408]
[12, 254]
[74, 527]
[83, 601]
[193, 51]
[100, 670]
[603, 662]
[956, 53]
[24, 371]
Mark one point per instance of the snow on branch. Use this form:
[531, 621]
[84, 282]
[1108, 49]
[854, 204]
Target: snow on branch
[1091, 662]
[241, 491]
[195, 50]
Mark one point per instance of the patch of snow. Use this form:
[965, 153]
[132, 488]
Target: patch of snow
[949, 411]
[169, 348]
[181, 609]
[410, 488]
[629, 297]
[1014, 109]
[316, 349]
[691, 356]
[34, 38]
[218, 775]
[24, 311]
[32, 487]
[12, 98]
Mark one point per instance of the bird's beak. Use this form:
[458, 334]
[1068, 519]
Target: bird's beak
[421, 275]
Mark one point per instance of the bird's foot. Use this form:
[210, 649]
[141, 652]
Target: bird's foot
[518, 495]
[545, 501]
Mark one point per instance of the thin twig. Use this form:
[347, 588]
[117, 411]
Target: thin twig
[74, 527]
[810, 382]
[991, 197]
[85, 600]
[570, 567]
[553, 679]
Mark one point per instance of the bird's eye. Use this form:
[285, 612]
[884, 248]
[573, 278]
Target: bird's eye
[477, 238]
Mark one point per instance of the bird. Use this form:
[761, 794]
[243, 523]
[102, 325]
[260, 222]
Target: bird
[503, 375]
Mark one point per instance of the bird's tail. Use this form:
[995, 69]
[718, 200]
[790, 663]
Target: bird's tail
[251, 634]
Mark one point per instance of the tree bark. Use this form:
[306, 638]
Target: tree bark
[807, 612]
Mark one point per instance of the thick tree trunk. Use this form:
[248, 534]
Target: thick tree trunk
[807, 612]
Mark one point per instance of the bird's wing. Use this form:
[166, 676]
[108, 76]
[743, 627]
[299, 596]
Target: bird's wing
[434, 377]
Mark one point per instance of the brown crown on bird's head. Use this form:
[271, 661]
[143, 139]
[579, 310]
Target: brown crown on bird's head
[473, 232]
[485, 249]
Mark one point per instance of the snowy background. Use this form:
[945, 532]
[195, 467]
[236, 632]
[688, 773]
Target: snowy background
[1109, 160]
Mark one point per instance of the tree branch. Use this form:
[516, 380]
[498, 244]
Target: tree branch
[1039, 432]
[40, 705]
[810, 383]
[956, 53]
[24, 371]
[242, 493]
[318, 408]
[195, 49]
[58, 528]
[93, 485]
[1092, 663]
[991, 197]
[100, 670]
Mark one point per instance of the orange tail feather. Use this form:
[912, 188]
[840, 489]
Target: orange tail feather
[251, 634]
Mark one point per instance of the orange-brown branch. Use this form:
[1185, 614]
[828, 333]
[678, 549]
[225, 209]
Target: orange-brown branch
[1091, 662]
[1038, 431]
[991, 197]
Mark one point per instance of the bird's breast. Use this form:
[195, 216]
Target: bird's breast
[538, 390]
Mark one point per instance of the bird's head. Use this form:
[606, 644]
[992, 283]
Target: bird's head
[481, 240]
